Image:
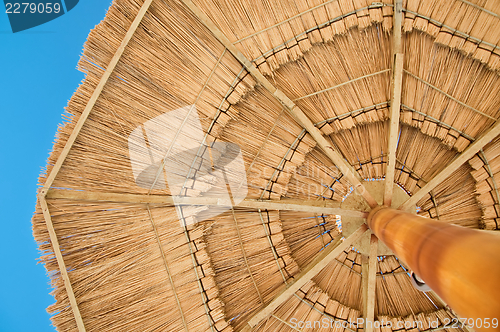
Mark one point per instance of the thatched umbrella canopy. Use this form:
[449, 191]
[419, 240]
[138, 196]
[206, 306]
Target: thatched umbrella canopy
[321, 97]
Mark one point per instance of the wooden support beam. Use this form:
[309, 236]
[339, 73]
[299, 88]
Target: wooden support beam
[97, 92]
[326, 207]
[393, 129]
[453, 166]
[351, 175]
[312, 269]
[396, 84]
[397, 19]
[364, 284]
[372, 274]
[60, 262]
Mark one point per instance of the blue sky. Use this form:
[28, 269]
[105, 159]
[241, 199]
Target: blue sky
[38, 76]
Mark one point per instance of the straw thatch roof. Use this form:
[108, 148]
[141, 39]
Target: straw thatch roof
[304, 88]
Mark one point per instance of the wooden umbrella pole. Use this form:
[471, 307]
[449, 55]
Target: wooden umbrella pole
[461, 265]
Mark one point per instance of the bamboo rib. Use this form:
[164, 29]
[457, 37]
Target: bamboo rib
[245, 256]
[449, 96]
[168, 270]
[481, 8]
[341, 84]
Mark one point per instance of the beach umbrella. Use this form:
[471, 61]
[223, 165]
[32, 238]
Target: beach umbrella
[219, 160]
